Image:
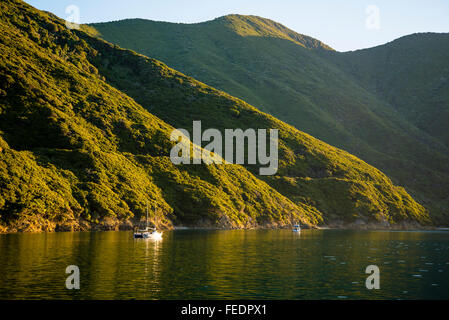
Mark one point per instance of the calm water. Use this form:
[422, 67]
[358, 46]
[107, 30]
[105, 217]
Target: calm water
[255, 264]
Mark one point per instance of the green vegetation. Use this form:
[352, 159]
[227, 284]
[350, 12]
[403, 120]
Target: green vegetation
[80, 149]
[386, 105]
[412, 74]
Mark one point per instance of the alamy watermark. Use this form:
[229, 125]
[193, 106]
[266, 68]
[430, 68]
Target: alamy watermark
[373, 280]
[372, 21]
[234, 147]
[73, 280]
[73, 17]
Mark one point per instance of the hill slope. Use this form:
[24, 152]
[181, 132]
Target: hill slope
[77, 151]
[412, 74]
[292, 77]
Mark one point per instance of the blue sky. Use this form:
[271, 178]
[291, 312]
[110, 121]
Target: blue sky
[342, 24]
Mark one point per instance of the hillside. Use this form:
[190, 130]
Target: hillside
[305, 83]
[412, 74]
[79, 148]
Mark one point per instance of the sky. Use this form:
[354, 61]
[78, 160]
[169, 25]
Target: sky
[342, 24]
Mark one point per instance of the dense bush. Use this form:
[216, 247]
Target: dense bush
[77, 150]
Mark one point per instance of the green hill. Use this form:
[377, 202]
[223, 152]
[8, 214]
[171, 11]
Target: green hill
[412, 74]
[305, 83]
[79, 148]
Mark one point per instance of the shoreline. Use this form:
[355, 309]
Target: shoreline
[332, 226]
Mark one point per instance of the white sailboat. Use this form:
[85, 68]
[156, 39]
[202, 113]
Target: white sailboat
[296, 228]
[147, 232]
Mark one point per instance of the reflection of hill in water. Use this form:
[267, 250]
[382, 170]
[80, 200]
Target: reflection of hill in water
[239, 264]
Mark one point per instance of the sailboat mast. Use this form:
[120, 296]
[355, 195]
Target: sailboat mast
[146, 221]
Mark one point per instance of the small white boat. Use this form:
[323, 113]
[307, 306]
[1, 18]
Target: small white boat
[296, 228]
[147, 232]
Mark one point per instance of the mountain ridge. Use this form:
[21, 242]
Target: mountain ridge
[305, 88]
[251, 25]
[422, 89]
[79, 148]
[244, 25]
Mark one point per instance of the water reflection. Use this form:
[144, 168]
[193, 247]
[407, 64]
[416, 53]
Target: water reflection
[265, 264]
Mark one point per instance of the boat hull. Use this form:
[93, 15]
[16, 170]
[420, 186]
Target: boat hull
[148, 235]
